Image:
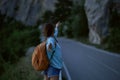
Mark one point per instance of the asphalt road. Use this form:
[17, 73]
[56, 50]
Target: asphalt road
[88, 63]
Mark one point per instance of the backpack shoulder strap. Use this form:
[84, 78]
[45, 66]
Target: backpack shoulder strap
[52, 55]
[56, 41]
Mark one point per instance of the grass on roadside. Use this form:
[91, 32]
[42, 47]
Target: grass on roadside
[23, 70]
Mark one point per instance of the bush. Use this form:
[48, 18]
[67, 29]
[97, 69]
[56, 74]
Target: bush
[15, 44]
[114, 40]
[78, 22]
[47, 17]
[23, 70]
[15, 39]
[67, 30]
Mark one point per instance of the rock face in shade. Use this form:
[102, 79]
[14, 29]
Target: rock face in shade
[7, 7]
[26, 11]
[98, 14]
[97, 11]
[29, 11]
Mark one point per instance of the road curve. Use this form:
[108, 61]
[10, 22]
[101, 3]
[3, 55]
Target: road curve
[88, 63]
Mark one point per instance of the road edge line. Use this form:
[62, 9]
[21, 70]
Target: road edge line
[66, 71]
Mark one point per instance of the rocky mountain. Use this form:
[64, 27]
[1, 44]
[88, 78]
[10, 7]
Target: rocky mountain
[97, 11]
[98, 15]
[26, 11]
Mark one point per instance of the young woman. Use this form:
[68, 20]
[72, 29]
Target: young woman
[53, 71]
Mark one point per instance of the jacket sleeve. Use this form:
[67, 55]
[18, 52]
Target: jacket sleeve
[56, 32]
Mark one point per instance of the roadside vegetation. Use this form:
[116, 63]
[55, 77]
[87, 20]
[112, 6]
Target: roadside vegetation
[15, 39]
[22, 70]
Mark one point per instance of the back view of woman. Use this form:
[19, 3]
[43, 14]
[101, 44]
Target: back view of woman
[52, 46]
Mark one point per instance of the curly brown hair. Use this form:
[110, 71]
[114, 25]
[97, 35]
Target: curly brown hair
[48, 30]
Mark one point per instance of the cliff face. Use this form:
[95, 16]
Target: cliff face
[98, 13]
[27, 11]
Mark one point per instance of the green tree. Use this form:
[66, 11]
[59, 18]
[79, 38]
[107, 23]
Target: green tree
[47, 16]
[63, 10]
[79, 21]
